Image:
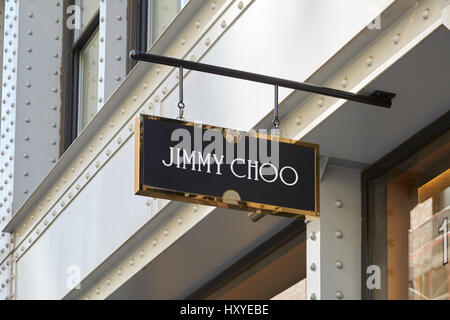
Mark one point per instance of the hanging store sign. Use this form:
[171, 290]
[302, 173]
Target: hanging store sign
[220, 167]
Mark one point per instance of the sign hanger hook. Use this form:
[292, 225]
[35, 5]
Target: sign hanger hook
[181, 104]
[276, 119]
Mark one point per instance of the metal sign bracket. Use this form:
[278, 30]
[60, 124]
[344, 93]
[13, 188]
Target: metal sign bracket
[378, 98]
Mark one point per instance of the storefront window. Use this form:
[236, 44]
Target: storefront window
[410, 205]
[88, 82]
[428, 241]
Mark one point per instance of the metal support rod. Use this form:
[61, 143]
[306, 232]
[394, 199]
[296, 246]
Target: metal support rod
[378, 98]
[181, 104]
[276, 119]
[180, 84]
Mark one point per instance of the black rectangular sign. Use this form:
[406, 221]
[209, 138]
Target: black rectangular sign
[220, 167]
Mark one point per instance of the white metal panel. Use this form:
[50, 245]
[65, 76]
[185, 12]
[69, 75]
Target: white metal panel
[100, 219]
[341, 212]
[30, 106]
[313, 265]
[334, 240]
[38, 102]
[221, 238]
[2, 30]
[6, 281]
[113, 47]
[8, 120]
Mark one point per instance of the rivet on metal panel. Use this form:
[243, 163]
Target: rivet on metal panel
[339, 204]
[396, 38]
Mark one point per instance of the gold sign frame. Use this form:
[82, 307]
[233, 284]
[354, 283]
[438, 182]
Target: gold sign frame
[220, 202]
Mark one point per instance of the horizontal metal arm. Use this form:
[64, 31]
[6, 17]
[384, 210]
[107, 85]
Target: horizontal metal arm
[378, 98]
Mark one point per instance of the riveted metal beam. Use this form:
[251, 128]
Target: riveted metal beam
[406, 24]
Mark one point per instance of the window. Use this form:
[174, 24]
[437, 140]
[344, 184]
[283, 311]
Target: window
[408, 211]
[88, 82]
[161, 13]
[88, 8]
[80, 71]
[149, 19]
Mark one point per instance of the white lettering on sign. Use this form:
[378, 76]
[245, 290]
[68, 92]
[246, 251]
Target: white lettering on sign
[256, 171]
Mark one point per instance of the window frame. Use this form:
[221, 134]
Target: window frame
[71, 76]
[137, 28]
[77, 50]
[140, 26]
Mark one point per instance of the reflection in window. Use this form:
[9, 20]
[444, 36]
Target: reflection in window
[88, 82]
[162, 12]
[428, 240]
[88, 8]
[411, 202]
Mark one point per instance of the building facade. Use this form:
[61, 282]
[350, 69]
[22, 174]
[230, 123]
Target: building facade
[72, 227]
